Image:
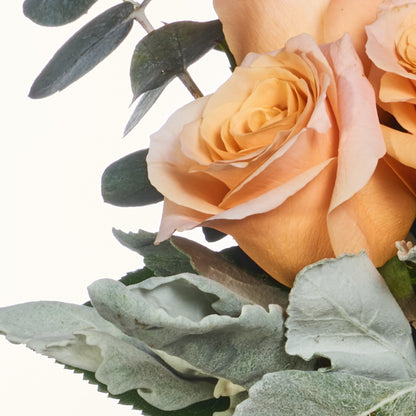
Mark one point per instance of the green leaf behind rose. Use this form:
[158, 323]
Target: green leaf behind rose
[179, 255]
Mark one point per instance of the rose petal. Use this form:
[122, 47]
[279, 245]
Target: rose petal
[381, 45]
[177, 218]
[285, 239]
[395, 88]
[350, 16]
[374, 218]
[406, 174]
[307, 152]
[168, 167]
[273, 198]
[262, 26]
[361, 142]
[401, 146]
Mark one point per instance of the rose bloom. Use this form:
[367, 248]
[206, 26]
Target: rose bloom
[392, 48]
[325, 20]
[286, 157]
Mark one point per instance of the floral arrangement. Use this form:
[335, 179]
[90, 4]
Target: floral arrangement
[306, 156]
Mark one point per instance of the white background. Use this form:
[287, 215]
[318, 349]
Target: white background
[55, 229]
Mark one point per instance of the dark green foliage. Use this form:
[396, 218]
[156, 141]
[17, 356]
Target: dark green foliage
[55, 12]
[143, 106]
[168, 51]
[211, 234]
[237, 257]
[164, 259]
[84, 50]
[125, 183]
[138, 276]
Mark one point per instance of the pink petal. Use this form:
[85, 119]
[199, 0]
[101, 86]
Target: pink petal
[361, 142]
[381, 46]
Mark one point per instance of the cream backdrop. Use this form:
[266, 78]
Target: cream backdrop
[55, 229]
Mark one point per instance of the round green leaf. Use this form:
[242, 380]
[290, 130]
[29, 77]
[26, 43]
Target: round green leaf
[168, 51]
[55, 12]
[125, 183]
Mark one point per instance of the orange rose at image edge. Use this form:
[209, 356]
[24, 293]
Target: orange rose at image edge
[316, 187]
[391, 47]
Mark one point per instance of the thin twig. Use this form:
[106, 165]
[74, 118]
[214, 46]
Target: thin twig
[190, 84]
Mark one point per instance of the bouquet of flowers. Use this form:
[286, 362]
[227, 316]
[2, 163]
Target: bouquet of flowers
[306, 156]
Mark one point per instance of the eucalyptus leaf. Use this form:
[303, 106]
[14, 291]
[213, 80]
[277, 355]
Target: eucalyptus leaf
[343, 310]
[201, 322]
[84, 50]
[55, 12]
[289, 393]
[179, 255]
[168, 51]
[125, 182]
[143, 106]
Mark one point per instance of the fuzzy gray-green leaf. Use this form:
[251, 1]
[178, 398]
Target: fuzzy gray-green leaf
[55, 12]
[289, 393]
[201, 322]
[343, 310]
[77, 336]
[84, 50]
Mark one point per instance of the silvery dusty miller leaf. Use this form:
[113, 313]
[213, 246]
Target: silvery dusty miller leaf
[201, 322]
[342, 309]
[77, 336]
[293, 393]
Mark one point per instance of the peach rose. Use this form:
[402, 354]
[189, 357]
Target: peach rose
[280, 20]
[285, 157]
[392, 48]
